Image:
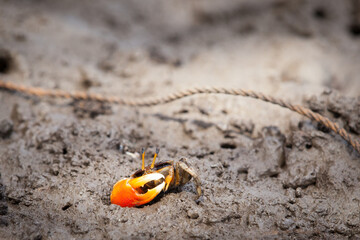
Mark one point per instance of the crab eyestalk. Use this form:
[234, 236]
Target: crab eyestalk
[131, 192]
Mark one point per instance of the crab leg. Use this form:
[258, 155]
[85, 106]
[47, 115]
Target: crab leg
[143, 159]
[183, 165]
[156, 153]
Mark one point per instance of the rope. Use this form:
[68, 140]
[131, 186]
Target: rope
[40, 92]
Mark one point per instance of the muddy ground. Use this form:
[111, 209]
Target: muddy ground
[266, 172]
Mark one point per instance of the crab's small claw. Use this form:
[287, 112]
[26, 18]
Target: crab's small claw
[128, 192]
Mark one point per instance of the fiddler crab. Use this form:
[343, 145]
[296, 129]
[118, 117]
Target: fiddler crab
[146, 183]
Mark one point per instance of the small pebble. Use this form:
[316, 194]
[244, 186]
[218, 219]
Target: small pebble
[298, 192]
[286, 224]
[54, 170]
[6, 128]
[192, 214]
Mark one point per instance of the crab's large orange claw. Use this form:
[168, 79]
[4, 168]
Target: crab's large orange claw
[127, 193]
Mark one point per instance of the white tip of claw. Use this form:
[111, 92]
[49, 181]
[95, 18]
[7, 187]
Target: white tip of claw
[158, 188]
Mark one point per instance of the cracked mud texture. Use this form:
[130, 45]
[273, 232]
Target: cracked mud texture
[266, 172]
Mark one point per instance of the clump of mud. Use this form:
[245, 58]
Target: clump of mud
[345, 110]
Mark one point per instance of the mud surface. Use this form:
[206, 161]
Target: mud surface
[266, 172]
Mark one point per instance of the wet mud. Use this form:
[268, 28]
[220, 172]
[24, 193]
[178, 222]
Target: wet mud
[265, 172]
